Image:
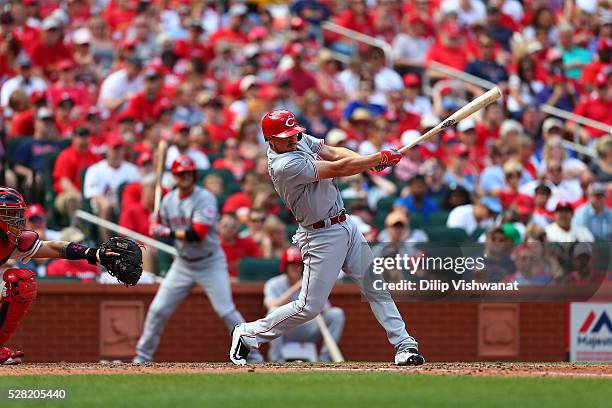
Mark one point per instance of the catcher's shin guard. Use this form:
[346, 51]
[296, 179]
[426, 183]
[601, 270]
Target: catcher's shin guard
[19, 292]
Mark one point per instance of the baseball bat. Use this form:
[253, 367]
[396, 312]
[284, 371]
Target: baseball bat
[483, 100]
[159, 171]
[111, 226]
[330, 343]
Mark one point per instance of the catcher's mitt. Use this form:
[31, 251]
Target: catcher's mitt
[127, 267]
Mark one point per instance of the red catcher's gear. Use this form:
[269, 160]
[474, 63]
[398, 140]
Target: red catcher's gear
[20, 288]
[291, 255]
[12, 213]
[280, 123]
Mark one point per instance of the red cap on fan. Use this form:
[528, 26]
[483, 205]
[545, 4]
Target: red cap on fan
[280, 123]
[291, 255]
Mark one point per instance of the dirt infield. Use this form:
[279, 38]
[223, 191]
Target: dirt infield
[469, 369]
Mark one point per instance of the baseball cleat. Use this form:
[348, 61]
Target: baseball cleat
[10, 357]
[140, 360]
[409, 356]
[238, 351]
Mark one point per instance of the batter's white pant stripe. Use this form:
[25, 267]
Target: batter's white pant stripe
[300, 309]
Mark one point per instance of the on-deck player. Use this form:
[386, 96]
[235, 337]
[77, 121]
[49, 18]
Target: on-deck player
[302, 168]
[189, 215]
[18, 286]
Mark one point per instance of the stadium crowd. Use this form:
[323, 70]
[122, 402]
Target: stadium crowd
[88, 88]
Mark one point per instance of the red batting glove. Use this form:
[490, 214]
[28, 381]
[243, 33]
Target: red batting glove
[389, 158]
[158, 230]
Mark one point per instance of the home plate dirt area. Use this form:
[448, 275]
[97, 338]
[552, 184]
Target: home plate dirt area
[501, 369]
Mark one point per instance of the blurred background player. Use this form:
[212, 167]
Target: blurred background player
[188, 214]
[285, 288]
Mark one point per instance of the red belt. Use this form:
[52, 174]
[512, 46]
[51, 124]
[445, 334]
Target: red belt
[332, 221]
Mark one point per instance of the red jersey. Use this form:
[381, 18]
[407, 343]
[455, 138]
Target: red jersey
[241, 248]
[300, 80]
[135, 217]
[227, 35]
[145, 110]
[70, 164]
[187, 50]
[453, 57]
[47, 57]
[22, 124]
[236, 201]
[596, 109]
[77, 268]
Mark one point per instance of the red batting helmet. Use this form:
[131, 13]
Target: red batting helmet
[182, 164]
[12, 213]
[291, 255]
[280, 123]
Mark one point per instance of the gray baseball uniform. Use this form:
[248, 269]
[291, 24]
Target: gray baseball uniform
[307, 332]
[201, 263]
[325, 251]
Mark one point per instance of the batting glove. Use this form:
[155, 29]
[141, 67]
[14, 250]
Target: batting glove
[158, 230]
[389, 157]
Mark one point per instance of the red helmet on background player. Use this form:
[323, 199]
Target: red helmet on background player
[182, 164]
[280, 123]
[12, 213]
[291, 255]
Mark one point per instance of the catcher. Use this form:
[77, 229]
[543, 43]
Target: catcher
[122, 257]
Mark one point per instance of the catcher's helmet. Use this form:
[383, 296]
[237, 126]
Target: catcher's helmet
[182, 164]
[291, 255]
[280, 123]
[12, 213]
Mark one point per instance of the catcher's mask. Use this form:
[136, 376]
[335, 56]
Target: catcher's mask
[12, 213]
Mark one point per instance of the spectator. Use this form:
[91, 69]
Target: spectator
[329, 86]
[214, 183]
[561, 230]
[530, 267]
[65, 268]
[299, 77]
[385, 78]
[498, 248]
[434, 173]
[50, 49]
[449, 49]
[235, 248]
[23, 113]
[398, 231]
[602, 165]
[274, 243]
[233, 33]
[285, 288]
[232, 161]
[103, 179]
[595, 215]
[455, 196]
[412, 44]
[562, 189]
[255, 226]
[145, 105]
[600, 64]
[485, 66]
[25, 80]
[414, 101]
[29, 155]
[313, 116]
[68, 170]
[561, 94]
[541, 215]
[102, 48]
[596, 106]
[574, 57]
[362, 99]
[243, 199]
[514, 174]
[582, 269]
[495, 27]
[370, 187]
[186, 109]
[181, 145]
[121, 85]
[523, 87]
[554, 150]
[66, 87]
[469, 217]
[416, 201]
[457, 172]
[468, 12]
[250, 145]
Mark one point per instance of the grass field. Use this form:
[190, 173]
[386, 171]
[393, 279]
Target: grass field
[312, 389]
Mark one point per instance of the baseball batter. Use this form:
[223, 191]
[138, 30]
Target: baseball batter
[189, 215]
[302, 169]
[18, 286]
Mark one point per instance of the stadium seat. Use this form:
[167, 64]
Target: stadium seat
[56, 220]
[258, 269]
[438, 218]
[385, 204]
[291, 229]
[444, 234]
